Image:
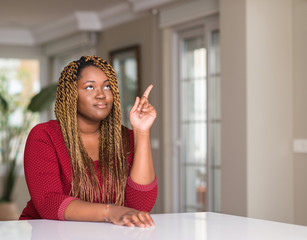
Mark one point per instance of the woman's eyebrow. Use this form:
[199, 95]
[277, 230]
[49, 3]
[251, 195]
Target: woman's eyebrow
[89, 81]
[93, 81]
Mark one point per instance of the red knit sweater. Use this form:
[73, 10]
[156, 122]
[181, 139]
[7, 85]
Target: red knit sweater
[48, 176]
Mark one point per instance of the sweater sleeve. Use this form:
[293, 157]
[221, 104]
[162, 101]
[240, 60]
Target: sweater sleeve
[139, 197]
[42, 172]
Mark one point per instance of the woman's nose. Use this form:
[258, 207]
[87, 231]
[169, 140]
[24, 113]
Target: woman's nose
[100, 94]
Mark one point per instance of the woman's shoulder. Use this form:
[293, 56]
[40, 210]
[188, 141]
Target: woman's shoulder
[52, 126]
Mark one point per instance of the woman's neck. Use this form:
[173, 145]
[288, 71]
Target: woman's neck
[89, 128]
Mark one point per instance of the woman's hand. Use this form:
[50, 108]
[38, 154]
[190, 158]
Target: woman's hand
[142, 114]
[129, 217]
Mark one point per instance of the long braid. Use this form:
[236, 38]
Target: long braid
[112, 142]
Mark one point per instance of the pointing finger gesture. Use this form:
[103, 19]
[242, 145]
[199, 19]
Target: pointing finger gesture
[142, 114]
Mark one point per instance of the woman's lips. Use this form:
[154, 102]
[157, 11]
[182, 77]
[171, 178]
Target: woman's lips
[101, 105]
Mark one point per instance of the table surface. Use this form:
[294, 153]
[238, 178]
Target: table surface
[177, 226]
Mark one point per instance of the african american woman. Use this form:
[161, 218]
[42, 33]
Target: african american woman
[86, 166]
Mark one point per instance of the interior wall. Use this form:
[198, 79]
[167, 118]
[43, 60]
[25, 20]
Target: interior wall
[257, 123]
[233, 107]
[299, 108]
[168, 169]
[269, 109]
[144, 32]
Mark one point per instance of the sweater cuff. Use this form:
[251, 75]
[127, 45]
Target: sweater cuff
[63, 206]
[142, 188]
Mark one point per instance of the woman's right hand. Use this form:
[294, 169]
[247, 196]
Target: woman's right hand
[125, 216]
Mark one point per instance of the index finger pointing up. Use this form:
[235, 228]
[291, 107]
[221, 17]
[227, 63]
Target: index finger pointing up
[147, 91]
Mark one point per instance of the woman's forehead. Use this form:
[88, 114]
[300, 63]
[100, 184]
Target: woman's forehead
[91, 71]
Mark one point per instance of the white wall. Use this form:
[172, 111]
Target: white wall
[256, 43]
[269, 109]
[299, 108]
[233, 107]
[168, 172]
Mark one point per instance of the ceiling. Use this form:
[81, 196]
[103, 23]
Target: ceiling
[34, 13]
[34, 22]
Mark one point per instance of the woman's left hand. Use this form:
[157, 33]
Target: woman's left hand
[143, 114]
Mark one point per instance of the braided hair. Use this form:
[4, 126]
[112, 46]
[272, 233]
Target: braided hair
[113, 140]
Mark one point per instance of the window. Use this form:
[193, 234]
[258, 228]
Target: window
[193, 123]
[197, 127]
[19, 81]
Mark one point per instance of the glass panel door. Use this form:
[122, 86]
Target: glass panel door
[193, 122]
[198, 119]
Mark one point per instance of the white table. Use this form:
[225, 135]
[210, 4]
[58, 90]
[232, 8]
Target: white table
[187, 226]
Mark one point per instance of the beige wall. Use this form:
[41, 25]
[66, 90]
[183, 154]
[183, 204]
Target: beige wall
[269, 109]
[299, 108]
[233, 107]
[144, 32]
[168, 168]
[256, 43]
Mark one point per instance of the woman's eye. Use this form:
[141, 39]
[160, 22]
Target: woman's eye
[107, 87]
[89, 87]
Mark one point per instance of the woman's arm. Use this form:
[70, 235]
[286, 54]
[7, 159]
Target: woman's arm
[142, 116]
[79, 210]
[43, 173]
[139, 196]
[142, 170]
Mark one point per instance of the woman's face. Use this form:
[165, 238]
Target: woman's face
[95, 98]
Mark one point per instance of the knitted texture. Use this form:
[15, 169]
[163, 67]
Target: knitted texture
[48, 175]
[140, 192]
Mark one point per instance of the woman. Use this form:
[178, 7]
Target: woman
[85, 165]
